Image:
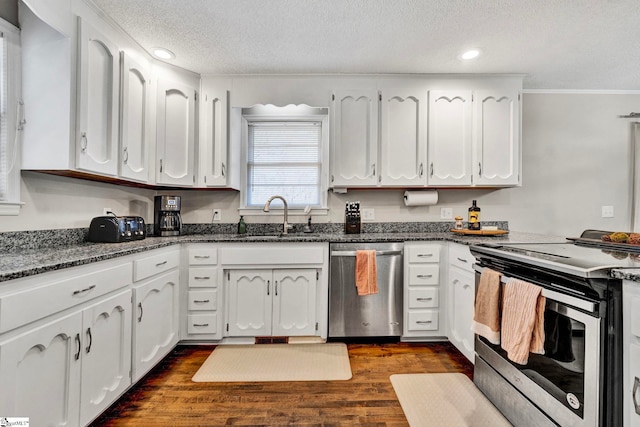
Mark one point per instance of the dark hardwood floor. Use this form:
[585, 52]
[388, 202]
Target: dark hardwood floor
[168, 397]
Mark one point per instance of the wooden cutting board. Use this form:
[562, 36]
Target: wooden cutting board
[480, 232]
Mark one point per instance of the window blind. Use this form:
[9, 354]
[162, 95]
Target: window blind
[284, 158]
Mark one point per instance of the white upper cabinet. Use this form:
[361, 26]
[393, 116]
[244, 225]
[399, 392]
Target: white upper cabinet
[354, 151]
[214, 137]
[450, 136]
[175, 133]
[496, 145]
[134, 119]
[98, 92]
[403, 142]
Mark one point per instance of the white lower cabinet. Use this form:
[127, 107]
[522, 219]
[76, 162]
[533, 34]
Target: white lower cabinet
[155, 328]
[67, 371]
[631, 353]
[203, 296]
[271, 302]
[461, 298]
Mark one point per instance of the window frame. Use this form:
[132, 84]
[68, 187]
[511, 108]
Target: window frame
[14, 116]
[270, 112]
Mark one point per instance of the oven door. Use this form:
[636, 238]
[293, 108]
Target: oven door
[564, 382]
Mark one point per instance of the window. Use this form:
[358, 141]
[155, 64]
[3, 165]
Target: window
[286, 148]
[10, 123]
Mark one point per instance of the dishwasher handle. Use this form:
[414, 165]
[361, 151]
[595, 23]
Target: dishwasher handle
[353, 253]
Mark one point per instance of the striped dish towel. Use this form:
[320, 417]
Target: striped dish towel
[522, 320]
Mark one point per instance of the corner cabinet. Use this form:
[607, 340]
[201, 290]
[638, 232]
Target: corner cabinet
[134, 119]
[175, 133]
[278, 289]
[98, 96]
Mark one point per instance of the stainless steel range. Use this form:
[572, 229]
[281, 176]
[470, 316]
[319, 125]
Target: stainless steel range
[578, 381]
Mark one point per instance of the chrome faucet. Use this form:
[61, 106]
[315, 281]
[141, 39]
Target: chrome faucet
[285, 227]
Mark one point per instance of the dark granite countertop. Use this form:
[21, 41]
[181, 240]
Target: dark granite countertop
[27, 262]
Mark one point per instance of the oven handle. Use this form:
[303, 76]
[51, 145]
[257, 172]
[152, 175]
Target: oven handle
[353, 253]
[555, 296]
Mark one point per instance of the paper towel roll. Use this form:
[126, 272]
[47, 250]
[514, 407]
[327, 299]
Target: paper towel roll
[420, 198]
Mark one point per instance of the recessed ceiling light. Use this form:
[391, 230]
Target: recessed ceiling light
[470, 54]
[162, 53]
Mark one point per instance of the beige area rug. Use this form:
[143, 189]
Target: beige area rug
[448, 399]
[276, 362]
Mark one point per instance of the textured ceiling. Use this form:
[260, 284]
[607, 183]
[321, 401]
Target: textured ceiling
[557, 44]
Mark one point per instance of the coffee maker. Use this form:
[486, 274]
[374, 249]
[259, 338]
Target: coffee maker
[166, 216]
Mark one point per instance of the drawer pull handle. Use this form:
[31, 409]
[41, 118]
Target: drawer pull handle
[423, 322]
[201, 324]
[425, 276]
[202, 277]
[202, 257]
[424, 299]
[81, 291]
[424, 255]
[78, 345]
[160, 264]
[462, 259]
[201, 300]
[88, 348]
[141, 311]
[636, 402]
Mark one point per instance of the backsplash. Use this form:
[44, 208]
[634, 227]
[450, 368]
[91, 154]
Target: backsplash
[36, 239]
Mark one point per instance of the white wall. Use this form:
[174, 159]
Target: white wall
[575, 160]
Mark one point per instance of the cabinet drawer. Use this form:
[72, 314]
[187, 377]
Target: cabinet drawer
[203, 256]
[203, 277]
[635, 317]
[22, 307]
[424, 274]
[460, 256]
[423, 254]
[202, 323]
[423, 298]
[423, 320]
[154, 264]
[203, 300]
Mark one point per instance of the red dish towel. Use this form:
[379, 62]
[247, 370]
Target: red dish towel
[366, 272]
[486, 317]
[522, 320]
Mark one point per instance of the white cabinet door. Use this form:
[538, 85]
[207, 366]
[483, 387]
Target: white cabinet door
[106, 354]
[97, 137]
[40, 372]
[155, 330]
[403, 143]
[214, 143]
[497, 140]
[354, 151]
[134, 120]
[294, 302]
[461, 306]
[450, 136]
[249, 302]
[175, 133]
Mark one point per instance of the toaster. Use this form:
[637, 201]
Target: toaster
[114, 229]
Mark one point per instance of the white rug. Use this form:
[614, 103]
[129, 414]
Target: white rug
[276, 362]
[448, 399]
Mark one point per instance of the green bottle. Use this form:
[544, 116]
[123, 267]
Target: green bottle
[242, 226]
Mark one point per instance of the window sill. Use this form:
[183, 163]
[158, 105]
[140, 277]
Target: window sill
[10, 209]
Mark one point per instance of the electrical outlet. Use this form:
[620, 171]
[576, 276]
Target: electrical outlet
[368, 214]
[607, 212]
[105, 211]
[217, 215]
[446, 213]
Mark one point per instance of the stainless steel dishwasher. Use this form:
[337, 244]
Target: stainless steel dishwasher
[378, 315]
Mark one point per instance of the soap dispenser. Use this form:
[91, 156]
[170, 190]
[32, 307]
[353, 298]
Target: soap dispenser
[242, 226]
